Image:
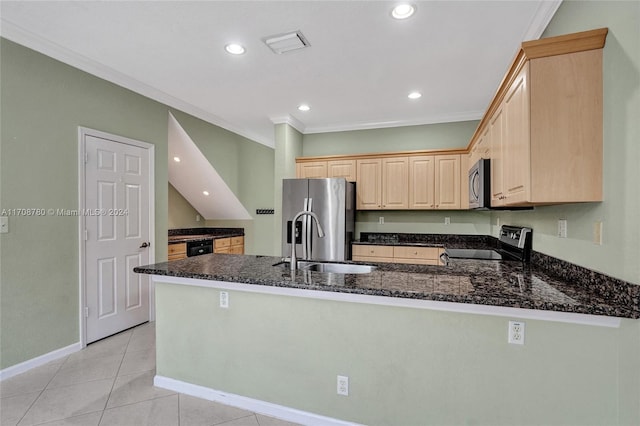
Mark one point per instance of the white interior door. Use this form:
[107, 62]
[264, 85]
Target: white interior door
[117, 235]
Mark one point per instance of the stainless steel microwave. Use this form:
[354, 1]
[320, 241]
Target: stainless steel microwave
[480, 185]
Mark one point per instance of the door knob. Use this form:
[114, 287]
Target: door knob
[145, 244]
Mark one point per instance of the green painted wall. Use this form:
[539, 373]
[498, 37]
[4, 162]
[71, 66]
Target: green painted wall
[247, 168]
[405, 366]
[409, 138]
[288, 146]
[42, 104]
[181, 213]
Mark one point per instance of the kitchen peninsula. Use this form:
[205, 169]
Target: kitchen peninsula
[399, 333]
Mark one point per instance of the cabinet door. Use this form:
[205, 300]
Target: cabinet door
[421, 182]
[313, 169]
[497, 158]
[516, 140]
[221, 245]
[369, 190]
[342, 168]
[395, 183]
[447, 179]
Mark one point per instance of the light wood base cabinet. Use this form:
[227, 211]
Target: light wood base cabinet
[177, 251]
[397, 254]
[231, 245]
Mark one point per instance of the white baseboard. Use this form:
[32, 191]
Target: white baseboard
[38, 361]
[250, 404]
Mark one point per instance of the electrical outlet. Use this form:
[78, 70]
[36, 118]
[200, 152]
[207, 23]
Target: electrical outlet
[224, 299]
[597, 233]
[343, 385]
[516, 332]
[381, 220]
[447, 220]
[562, 228]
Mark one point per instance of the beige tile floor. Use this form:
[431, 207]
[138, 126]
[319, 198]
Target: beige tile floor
[109, 383]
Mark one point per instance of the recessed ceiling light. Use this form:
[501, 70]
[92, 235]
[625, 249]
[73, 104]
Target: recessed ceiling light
[304, 107]
[414, 95]
[205, 192]
[234, 49]
[403, 11]
[176, 159]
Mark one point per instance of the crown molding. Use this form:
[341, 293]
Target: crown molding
[291, 121]
[19, 35]
[542, 17]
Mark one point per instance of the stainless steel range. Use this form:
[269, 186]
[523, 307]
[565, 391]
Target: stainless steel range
[514, 243]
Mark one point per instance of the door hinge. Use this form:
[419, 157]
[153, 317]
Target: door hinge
[86, 157]
[86, 312]
[86, 235]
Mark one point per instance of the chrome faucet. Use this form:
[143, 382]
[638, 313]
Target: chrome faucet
[294, 262]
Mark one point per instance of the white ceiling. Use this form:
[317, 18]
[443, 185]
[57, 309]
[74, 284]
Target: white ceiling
[356, 73]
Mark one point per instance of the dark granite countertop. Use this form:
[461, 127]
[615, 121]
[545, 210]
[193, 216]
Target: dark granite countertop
[202, 234]
[496, 283]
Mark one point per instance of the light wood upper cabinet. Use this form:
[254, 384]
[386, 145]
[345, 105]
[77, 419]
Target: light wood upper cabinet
[369, 189]
[342, 168]
[447, 182]
[546, 124]
[435, 182]
[516, 141]
[312, 169]
[496, 131]
[395, 183]
[422, 182]
[382, 183]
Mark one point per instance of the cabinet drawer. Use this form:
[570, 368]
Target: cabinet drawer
[417, 261]
[237, 241]
[219, 243]
[237, 249]
[179, 248]
[372, 251]
[407, 252]
[373, 259]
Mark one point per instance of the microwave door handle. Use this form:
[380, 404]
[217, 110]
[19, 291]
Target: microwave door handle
[474, 183]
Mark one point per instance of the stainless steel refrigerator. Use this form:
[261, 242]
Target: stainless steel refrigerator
[333, 201]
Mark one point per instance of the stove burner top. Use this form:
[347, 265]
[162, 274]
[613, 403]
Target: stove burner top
[514, 244]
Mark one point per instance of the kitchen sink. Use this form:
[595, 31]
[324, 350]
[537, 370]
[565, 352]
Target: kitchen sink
[339, 268]
[336, 268]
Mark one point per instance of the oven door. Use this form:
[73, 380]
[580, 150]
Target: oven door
[196, 248]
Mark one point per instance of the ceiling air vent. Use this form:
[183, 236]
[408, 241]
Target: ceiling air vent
[286, 42]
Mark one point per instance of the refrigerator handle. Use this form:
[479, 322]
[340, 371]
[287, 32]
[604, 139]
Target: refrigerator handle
[309, 229]
[305, 230]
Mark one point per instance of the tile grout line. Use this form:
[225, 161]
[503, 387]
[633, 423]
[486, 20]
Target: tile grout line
[106, 402]
[43, 389]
